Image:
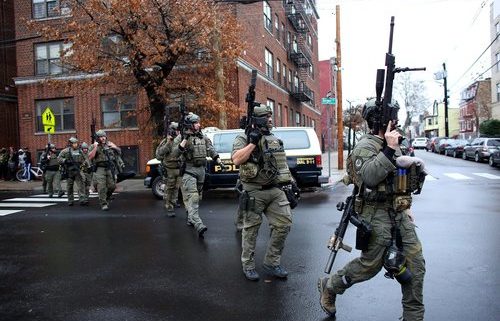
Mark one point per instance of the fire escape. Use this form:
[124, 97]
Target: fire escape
[298, 52]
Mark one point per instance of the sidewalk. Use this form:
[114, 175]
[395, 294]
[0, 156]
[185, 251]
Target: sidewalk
[36, 186]
[335, 173]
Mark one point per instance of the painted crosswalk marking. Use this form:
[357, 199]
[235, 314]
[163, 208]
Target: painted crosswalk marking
[457, 176]
[486, 175]
[9, 204]
[7, 212]
[36, 199]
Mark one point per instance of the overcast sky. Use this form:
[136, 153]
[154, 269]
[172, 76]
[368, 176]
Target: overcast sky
[426, 34]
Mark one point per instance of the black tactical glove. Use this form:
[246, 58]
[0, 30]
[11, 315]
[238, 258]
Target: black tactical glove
[254, 136]
[186, 136]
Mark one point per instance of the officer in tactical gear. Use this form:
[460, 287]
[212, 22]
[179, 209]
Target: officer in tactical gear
[51, 174]
[193, 147]
[86, 169]
[104, 157]
[72, 159]
[263, 171]
[384, 201]
[170, 168]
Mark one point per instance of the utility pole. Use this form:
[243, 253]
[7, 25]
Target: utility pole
[446, 129]
[340, 123]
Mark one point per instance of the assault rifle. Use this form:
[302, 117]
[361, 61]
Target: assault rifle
[183, 113]
[386, 110]
[93, 136]
[250, 100]
[336, 241]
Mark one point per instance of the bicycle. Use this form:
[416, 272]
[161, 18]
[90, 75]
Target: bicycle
[22, 174]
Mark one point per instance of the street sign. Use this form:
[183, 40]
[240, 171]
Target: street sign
[328, 101]
[49, 129]
[48, 118]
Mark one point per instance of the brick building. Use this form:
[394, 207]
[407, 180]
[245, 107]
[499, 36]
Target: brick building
[282, 44]
[9, 134]
[475, 107]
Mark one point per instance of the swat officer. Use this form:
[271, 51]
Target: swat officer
[51, 174]
[193, 147]
[86, 169]
[72, 159]
[103, 155]
[393, 244]
[263, 171]
[170, 168]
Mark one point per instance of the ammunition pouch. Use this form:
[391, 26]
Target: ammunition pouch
[199, 162]
[401, 202]
[363, 236]
[243, 201]
[249, 170]
[73, 170]
[291, 197]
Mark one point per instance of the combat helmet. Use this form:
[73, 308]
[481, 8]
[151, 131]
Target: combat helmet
[73, 140]
[262, 111]
[173, 125]
[84, 145]
[100, 133]
[192, 118]
[52, 146]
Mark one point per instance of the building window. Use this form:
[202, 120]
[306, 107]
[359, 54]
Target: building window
[270, 103]
[63, 110]
[278, 72]
[118, 111]
[283, 32]
[313, 124]
[46, 9]
[295, 83]
[279, 119]
[269, 63]
[48, 58]
[288, 39]
[267, 17]
[297, 119]
[311, 71]
[277, 26]
[498, 91]
[290, 79]
[290, 122]
[284, 75]
[429, 121]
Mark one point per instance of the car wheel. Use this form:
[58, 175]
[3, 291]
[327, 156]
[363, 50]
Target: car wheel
[490, 161]
[454, 154]
[476, 158]
[158, 187]
[445, 152]
[464, 155]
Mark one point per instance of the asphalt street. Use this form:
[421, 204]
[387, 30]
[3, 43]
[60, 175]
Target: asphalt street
[134, 263]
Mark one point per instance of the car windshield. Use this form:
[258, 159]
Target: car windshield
[293, 139]
[223, 143]
[493, 142]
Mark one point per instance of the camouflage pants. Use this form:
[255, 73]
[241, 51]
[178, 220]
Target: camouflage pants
[78, 179]
[274, 204]
[371, 261]
[87, 182]
[105, 184]
[53, 177]
[191, 187]
[172, 183]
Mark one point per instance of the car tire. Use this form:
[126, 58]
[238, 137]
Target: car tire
[490, 161]
[476, 158]
[158, 187]
[445, 152]
[464, 155]
[454, 154]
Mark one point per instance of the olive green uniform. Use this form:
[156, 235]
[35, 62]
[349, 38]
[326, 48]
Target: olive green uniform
[51, 175]
[104, 163]
[87, 174]
[194, 156]
[170, 172]
[372, 169]
[73, 159]
[262, 177]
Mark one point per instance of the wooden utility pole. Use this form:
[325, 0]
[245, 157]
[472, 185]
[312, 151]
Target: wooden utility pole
[340, 122]
[219, 75]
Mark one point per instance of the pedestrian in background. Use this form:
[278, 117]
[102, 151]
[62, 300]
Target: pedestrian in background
[4, 160]
[13, 163]
[27, 162]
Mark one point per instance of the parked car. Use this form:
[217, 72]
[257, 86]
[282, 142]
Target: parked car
[302, 149]
[433, 144]
[494, 159]
[420, 142]
[455, 147]
[481, 148]
[406, 148]
[442, 144]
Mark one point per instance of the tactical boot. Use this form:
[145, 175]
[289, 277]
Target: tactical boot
[70, 203]
[326, 298]
[60, 194]
[50, 195]
[189, 223]
[276, 271]
[105, 207]
[251, 274]
[202, 231]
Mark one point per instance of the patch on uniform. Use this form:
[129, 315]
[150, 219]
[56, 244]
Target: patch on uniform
[358, 163]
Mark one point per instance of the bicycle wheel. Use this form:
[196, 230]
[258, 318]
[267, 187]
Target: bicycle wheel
[21, 175]
[37, 172]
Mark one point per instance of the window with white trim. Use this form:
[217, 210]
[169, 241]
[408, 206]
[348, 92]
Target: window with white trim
[48, 58]
[119, 111]
[270, 104]
[267, 17]
[269, 59]
[278, 72]
[45, 9]
[277, 26]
